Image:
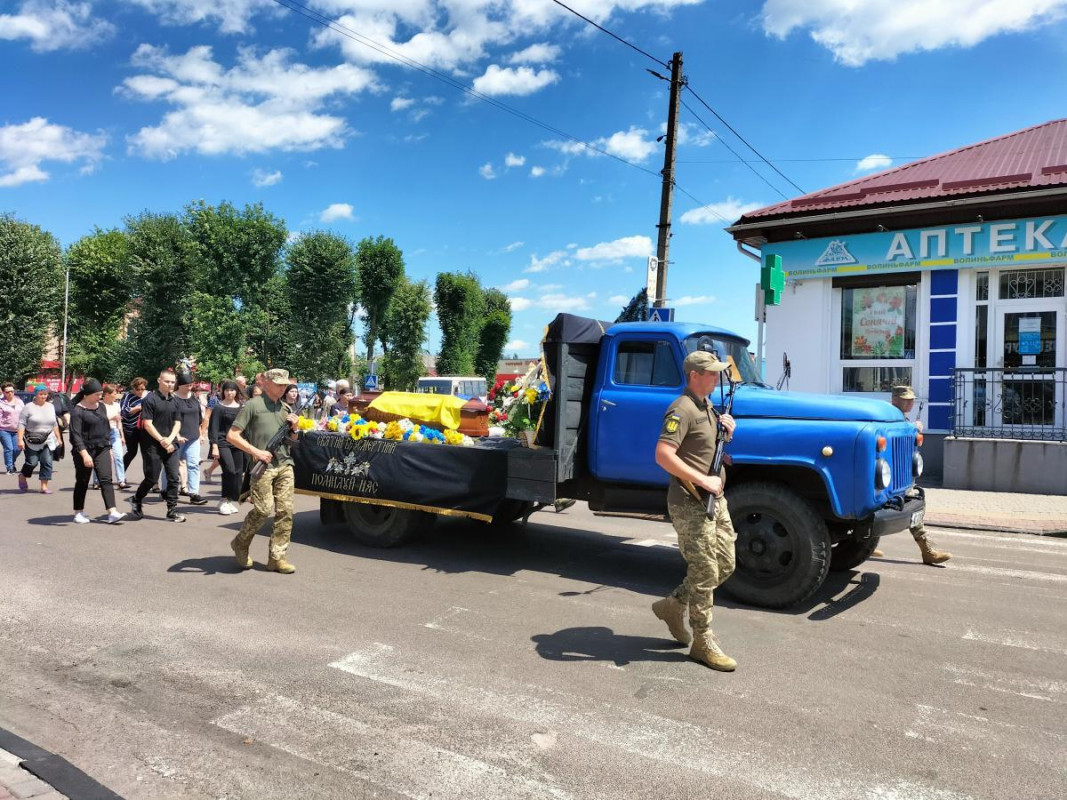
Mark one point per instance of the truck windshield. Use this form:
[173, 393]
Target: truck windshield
[434, 387]
[727, 349]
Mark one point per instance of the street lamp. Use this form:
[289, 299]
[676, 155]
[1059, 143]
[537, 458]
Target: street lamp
[63, 358]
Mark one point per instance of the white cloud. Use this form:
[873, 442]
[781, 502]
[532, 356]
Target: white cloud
[261, 178]
[515, 345]
[498, 81]
[618, 299]
[690, 300]
[231, 16]
[692, 135]
[517, 285]
[562, 302]
[24, 147]
[873, 162]
[55, 25]
[512, 160]
[511, 248]
[486, 171]
[636, 144]
[881, 30]
[626, 247]
[537, 172]
[725, 213]
[519, 303]
[336, 211]
[550, 287]
[541, 53]
[400, 103]
[557, 257]
[263, 103]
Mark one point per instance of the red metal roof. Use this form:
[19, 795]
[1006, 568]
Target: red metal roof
[1028, 159]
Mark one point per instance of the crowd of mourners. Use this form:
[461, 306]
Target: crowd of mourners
[103, 429]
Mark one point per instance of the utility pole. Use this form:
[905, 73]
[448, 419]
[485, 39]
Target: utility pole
[663, 245]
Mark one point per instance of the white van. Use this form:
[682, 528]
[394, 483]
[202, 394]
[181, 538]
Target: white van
[469, 388]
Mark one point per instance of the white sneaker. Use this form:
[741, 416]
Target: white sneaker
[227, 507]
[115, 516]
[81, 519]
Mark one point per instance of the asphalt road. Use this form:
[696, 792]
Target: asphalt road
[490, 663]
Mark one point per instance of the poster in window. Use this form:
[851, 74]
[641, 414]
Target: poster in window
[878, 322]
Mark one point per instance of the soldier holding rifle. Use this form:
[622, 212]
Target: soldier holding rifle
[706, 537]
[257, 424]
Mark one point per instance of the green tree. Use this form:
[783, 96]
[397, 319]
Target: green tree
[238, 255]
[636, 310]
[460, 311]
[381, 269]
[496, 328]
[163, 259]
[31, 291]
[102, 284]
[404, 331]
[323, 287]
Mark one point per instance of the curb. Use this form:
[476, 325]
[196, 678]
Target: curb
[972, 523]
[55, 770]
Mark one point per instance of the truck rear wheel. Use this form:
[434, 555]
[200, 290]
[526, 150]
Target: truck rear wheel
[783, 546]
[385, 526]
[850, 553]
[510, 511]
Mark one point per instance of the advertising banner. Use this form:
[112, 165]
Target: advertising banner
[878, 322]
[466, 481]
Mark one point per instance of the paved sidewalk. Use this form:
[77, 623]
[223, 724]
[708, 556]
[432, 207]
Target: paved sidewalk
[16, 782]
[997, 511]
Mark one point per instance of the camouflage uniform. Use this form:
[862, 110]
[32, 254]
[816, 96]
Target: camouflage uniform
[707, 546]
[272, 493]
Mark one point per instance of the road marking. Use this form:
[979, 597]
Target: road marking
[436, 624]
[389, 760]
[650, 543]
[1022, 540]
[672, 742]
[1032, 689]
[1001, 572]
[1021, 639]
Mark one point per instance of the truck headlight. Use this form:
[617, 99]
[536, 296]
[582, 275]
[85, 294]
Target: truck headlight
[883, 475]
[917, 464]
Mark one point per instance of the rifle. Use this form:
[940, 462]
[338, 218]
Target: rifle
[720, 448]
[276, 441]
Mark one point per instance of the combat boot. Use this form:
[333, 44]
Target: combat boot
[930, 555]
[244, 561]
[707, 651]
[280, 565]
[671, 611]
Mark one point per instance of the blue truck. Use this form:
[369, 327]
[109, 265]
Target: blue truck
[815, 480]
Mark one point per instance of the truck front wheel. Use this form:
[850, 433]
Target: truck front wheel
[385, 526]
[783, 546]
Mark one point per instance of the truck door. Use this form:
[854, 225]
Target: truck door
[642, 377]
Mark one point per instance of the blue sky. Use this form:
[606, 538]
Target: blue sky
[113, 107]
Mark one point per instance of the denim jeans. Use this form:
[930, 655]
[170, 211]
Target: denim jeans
[190, 454]
[44, 456]
[10, 442]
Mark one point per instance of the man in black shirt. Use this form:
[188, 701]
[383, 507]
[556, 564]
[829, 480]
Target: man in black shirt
[159, 449]
[191, 415]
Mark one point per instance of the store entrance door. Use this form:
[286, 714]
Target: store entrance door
[1028, 401]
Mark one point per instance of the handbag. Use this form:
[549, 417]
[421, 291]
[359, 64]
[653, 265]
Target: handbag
[36, 438]
[59, 452]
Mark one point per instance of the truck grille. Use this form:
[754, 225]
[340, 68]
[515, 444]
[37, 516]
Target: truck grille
[902, 447]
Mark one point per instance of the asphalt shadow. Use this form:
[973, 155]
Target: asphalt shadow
[209, 565]
[456, 546]
[602, 644]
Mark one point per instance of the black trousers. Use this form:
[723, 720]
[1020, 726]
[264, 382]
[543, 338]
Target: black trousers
[154, 458]
[102, 462]
[133, 441]
[233, 470]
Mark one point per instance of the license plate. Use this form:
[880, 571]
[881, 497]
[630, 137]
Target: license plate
[917, 518]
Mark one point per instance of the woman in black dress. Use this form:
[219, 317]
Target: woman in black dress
[231, 459]
[90, 443]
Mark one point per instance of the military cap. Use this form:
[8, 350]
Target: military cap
[703, 361]
[903, 392]
[280, 376]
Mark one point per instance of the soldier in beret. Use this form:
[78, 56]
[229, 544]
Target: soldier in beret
[904, 399]
[685, 449]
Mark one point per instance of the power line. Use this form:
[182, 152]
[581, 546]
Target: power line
[797, 160]
[742, 138]
[722, 141]
[631, 45]
[314, 16]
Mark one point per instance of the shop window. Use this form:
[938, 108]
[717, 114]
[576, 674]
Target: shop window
[981, 292]
[1024, 284]
[875, 379]
[878, 323]
[647, 364]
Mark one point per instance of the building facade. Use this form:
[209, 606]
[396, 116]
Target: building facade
[946, 274]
